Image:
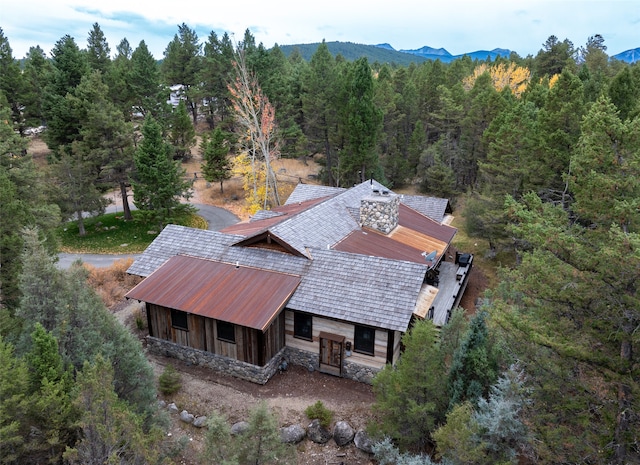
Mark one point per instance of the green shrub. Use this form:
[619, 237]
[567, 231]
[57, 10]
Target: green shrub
[319, 412]
[169, 381]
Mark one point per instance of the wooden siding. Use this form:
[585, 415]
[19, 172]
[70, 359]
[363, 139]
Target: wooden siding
[251, 345]
[378, 360]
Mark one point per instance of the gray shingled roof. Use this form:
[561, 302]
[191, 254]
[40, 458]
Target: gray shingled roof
[355, 288]
[304, 192]
[433, 207]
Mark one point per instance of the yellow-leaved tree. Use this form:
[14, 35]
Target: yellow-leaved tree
[502, 75]
[258, 141]
[254, 175]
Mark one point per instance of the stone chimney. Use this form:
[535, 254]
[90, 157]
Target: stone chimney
[380, 211]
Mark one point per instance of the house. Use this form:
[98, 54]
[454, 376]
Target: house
[331, 280]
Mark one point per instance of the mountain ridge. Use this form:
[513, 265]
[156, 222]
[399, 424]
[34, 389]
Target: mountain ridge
[386, 53]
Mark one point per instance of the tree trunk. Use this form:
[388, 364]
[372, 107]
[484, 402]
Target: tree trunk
[81, 230]
[221, 188]
[625, 397]
[329, 164]
[125, 202]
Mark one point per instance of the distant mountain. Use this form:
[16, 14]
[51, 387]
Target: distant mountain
[385, 53]
[629, 56]
[443, 55]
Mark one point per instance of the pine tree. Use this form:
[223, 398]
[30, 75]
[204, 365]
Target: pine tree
[14, 401]
[411, 397]
[260, 444]
[182, 135]
[159, 181]
[475, 364]
[216, 166]
[218, 448]
[360, 161]
[111, 432]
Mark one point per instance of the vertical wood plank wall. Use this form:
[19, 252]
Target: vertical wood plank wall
[251, 345]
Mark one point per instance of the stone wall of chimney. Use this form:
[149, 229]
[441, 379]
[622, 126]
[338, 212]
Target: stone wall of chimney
[380, 212]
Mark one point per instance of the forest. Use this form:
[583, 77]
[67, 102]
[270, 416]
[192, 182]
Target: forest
[541, 154]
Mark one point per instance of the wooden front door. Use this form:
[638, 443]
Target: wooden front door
[331, 353]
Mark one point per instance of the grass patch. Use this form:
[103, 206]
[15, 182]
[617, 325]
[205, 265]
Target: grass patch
[110, 234]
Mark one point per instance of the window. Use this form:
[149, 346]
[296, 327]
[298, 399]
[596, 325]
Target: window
[303, 326]
[226, 331]
[179, 320]
[364, 340]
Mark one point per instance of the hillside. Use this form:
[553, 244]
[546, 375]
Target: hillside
[385, 53]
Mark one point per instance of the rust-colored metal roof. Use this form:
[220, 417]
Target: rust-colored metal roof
[414, 236]
[240, 295]
[401, 244]
[411, 219]
[253, 228]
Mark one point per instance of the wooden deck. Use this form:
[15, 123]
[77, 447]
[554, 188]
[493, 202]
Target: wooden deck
[453, 282]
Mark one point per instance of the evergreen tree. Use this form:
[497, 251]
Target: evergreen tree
[475, 364]
[215, 74]
[411, 397]
[159, 181]
[182, 134]
[111, 432]
[23, 203]
[319, 107]
[12, 84]
[75, 173]
[14, 402]
[37, 71]
[51, 387]
[260, 444]
[182, 65]
[216, 166]
[575, 291]
[63, 121]
[554, 57]
[98, 51]
[148, 95]
[363, 122]
[218, 448]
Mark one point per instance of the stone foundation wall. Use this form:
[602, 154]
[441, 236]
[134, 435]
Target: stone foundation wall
[350, 370]
[380, 212]
[253, 373]
[242, 370]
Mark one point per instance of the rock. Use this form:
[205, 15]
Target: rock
[186, 417]
[200, 422]
[363, 441]
[317, 433]
[292, 434]
[162, 403]
[239, 428]
[343, 433]
[173, 408]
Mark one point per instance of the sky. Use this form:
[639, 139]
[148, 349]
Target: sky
[458, 26]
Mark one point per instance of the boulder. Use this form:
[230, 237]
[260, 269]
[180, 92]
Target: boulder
[186, 417]
[292, 434]
[200, 422]
[317, 433]
[343, 433]
[173, 408]
[363, 441]
[239, 428]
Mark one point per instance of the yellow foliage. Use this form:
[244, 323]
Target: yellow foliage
[253, 181]
[553, 80]
[513, 76]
